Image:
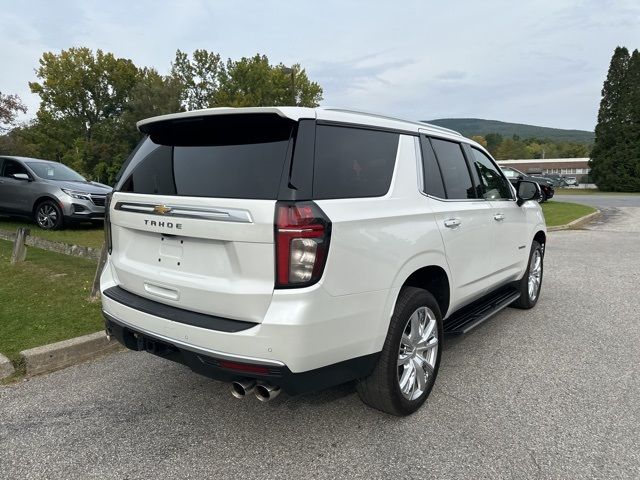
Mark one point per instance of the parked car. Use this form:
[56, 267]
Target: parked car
[546, 186]
[556, 179]
[283, 248]
[50, 193]
[572, 182]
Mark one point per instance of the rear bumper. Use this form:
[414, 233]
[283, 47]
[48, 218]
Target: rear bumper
[303, 329]
[228, 368]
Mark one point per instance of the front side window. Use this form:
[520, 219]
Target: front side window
[353, 162]
[493, 186]
[455, 173]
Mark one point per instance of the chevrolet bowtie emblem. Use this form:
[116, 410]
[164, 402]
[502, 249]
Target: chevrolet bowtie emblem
[161, 209]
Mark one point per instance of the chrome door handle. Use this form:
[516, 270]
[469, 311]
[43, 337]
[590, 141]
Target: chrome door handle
[498, 217]
[452, 223]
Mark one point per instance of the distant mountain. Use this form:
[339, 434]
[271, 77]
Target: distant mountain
[477, 126]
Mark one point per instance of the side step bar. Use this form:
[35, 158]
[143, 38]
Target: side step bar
[474, 314]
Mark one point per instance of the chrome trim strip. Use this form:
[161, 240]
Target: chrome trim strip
[184, 211]
[195, 349]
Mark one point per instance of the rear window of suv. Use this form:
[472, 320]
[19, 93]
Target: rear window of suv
[234, 158]
[353, 162]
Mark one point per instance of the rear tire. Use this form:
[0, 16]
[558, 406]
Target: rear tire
[410, 357]
[48, 215]
[531, 282]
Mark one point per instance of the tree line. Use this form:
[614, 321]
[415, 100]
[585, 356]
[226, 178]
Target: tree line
[615, 160]
[91, 101]
[514, 147]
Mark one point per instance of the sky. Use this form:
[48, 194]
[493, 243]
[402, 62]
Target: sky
[537, 62]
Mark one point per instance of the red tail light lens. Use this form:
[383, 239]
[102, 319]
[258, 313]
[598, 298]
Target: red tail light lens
[302, 233]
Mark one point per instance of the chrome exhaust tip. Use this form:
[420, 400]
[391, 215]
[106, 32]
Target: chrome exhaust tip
[240, 388]
[265, 392]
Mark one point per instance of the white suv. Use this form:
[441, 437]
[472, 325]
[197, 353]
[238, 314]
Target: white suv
[296, 249]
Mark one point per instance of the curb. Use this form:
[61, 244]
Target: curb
[579, 222]
[55, 356]
[6, 367]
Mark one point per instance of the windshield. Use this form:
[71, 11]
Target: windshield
[55, 171]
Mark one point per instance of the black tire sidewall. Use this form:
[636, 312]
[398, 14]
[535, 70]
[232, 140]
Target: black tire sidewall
[59, 221]
[417, 298]
[524, 287]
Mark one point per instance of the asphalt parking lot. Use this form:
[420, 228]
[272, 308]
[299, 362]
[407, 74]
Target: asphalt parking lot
[551, 393]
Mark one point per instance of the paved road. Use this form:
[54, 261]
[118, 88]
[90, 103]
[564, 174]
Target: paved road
[620, 213]
[601, 201]
[549, 393]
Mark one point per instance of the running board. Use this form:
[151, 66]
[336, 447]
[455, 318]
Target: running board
[474, 314]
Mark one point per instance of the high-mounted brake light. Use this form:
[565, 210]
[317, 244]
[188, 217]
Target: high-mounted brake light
[302, 233]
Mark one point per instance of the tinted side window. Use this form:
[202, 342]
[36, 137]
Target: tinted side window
[493, 186]
[11, 167]
[457, 181]
[353, 162]
[431, 172]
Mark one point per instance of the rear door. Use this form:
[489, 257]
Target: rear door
[464, 220]
[192, 216]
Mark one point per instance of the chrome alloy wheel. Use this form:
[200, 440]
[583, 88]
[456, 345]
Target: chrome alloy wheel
[47, 216]
[535, 274]
[418, 353]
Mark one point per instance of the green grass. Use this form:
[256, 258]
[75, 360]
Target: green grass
[86, 235]
[561, 213]
[44, 299]
[589, 191]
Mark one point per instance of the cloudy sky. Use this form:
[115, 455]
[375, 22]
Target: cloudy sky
[539, 62]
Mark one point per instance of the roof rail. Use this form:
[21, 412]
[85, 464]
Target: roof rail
[387, 117]
[442, 129]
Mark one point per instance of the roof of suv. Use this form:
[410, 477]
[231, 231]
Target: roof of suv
[320, 113]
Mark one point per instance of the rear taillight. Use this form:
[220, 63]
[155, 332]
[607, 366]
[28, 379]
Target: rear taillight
[302, 233]
[107, 223]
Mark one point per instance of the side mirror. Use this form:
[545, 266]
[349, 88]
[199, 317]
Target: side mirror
[21, 176]
[528, 191]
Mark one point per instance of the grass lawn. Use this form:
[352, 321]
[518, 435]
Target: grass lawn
[44, 299]
[588, 191]
[86, 235]
[561, 213]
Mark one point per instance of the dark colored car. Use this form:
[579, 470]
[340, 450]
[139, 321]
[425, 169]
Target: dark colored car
[515, 176]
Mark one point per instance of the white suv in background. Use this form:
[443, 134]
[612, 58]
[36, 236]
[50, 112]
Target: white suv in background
[296, 249]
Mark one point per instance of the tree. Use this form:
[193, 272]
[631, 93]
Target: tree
[83, 96]
[511, 148]
[208, 82]
[10, 106]
[255, 82]
[480, 139]
[199, 77]
[493, 142]
[610, 135]
[626, 156]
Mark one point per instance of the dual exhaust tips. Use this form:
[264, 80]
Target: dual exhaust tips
[263, 391]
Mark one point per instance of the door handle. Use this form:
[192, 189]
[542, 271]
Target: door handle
[452, 223]
[498, 217]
